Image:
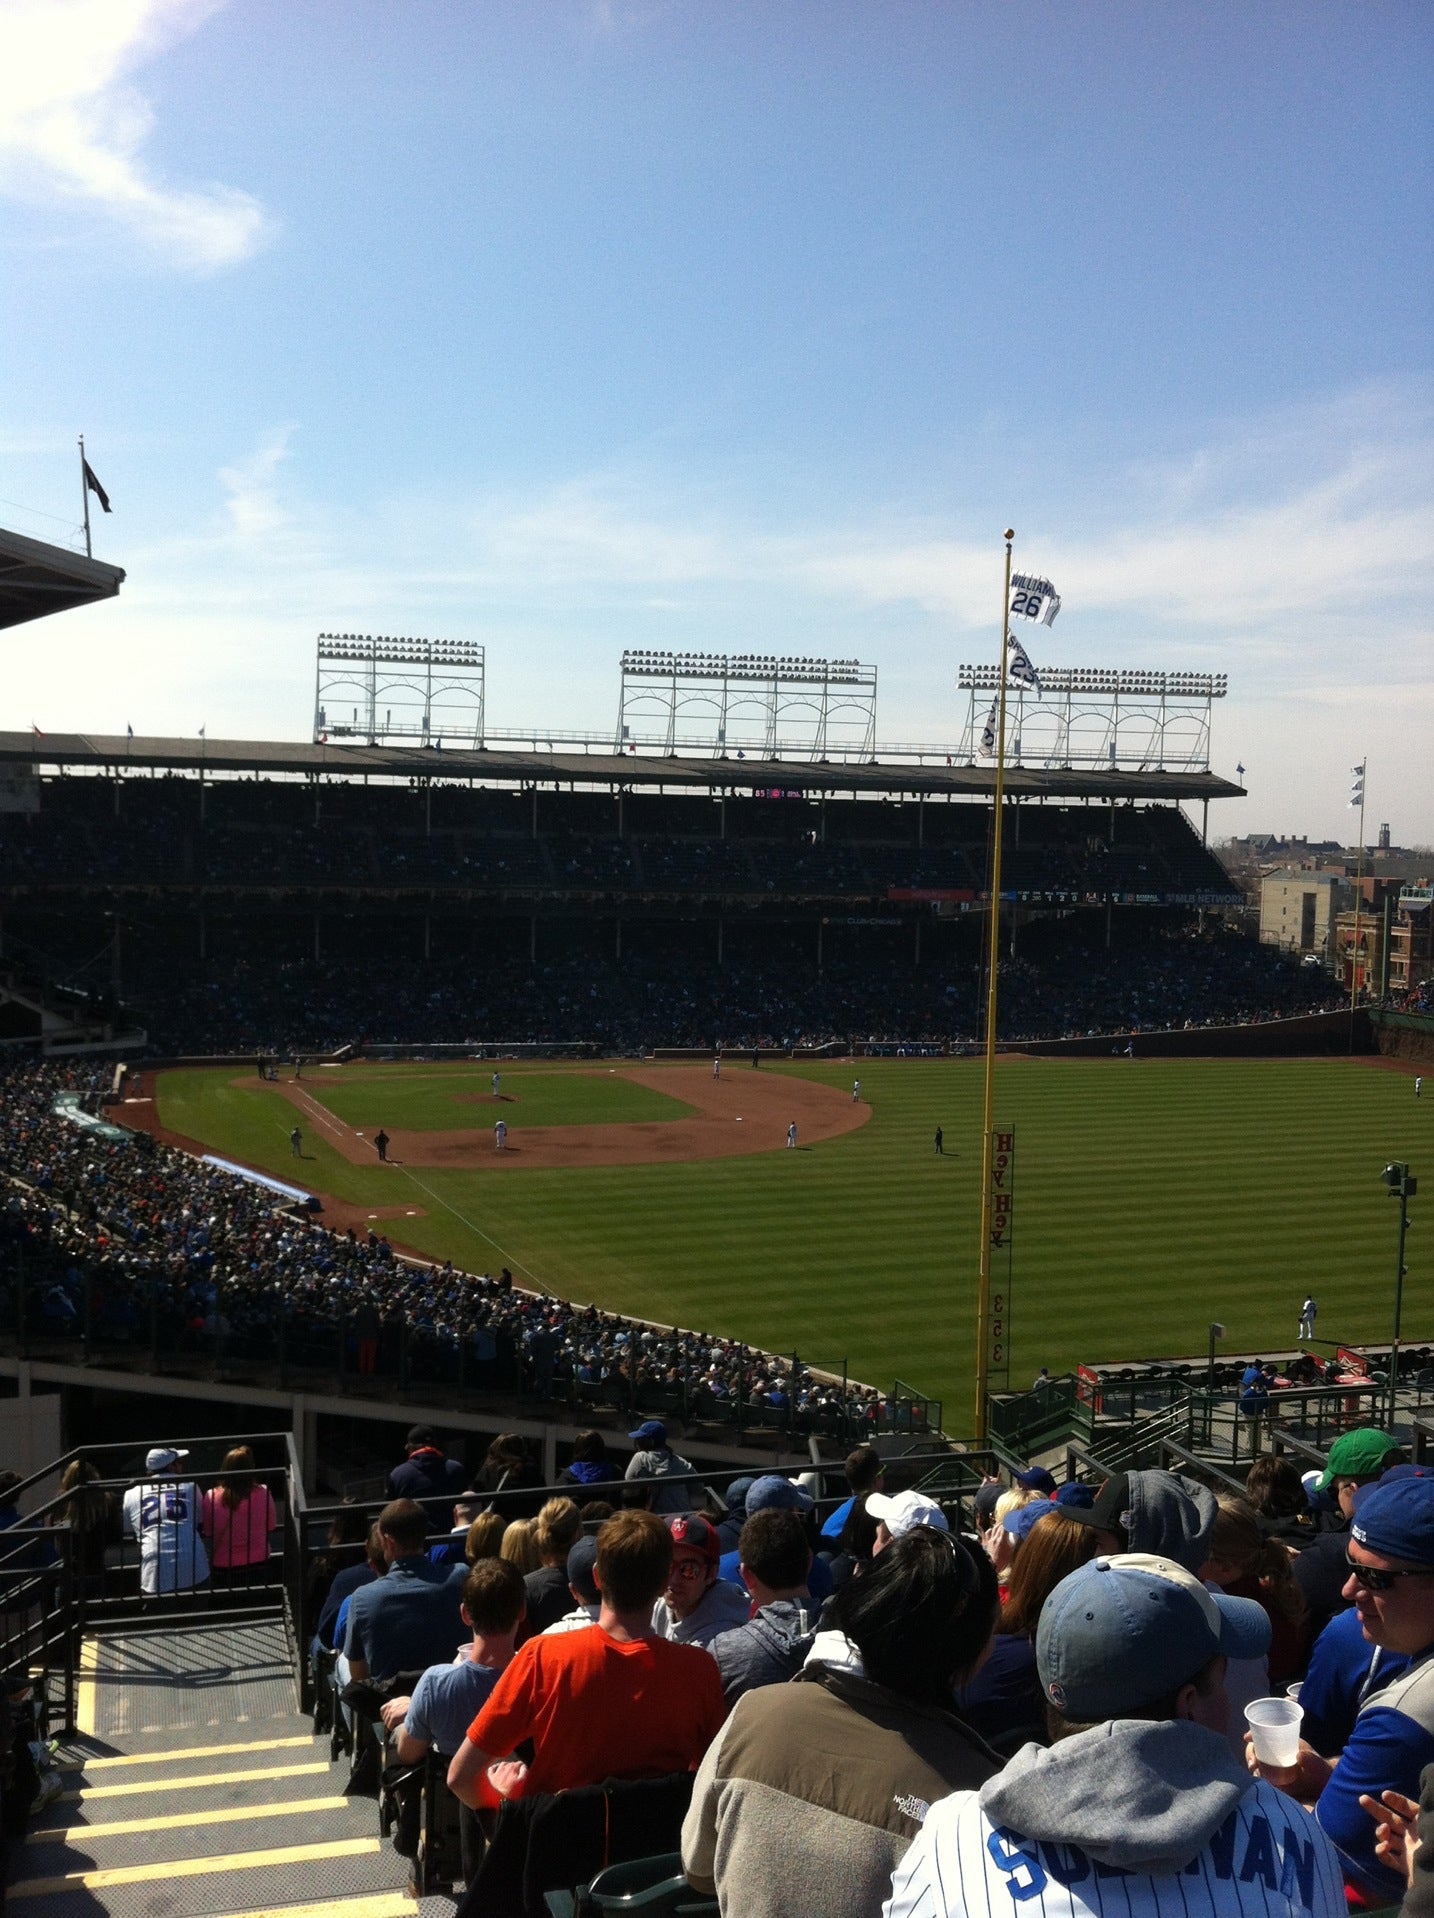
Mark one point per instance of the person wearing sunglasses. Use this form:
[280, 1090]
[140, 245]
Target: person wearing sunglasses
[697, 1604]
[1390, 1583]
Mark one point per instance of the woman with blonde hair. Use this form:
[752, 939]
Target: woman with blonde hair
[236, 1516]
[1000, 1544]
[520, 1545]
[1244, 1563]
[485, 1537]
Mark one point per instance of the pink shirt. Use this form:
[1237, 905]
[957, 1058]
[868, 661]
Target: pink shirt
[239, 1534]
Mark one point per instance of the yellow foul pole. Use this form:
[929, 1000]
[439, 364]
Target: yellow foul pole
[988, 1120]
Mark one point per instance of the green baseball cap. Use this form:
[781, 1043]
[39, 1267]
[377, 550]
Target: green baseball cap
[1360, 1454]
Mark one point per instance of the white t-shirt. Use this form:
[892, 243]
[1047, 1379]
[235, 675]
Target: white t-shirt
[164, 1516]
[1268, 1860]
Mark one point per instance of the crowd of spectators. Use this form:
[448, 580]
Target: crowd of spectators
[890, 1717]
[121, 1240]
[270, 993]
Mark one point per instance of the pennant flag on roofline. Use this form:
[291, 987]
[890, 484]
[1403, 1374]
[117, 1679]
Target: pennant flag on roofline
[988, 735]
[1018, 664]
[1034, 598]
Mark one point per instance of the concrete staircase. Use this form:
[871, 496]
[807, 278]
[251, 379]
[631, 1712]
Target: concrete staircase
[194, 1789]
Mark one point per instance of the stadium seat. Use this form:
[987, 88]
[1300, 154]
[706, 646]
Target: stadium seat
[554, 1843]
[655, 1886]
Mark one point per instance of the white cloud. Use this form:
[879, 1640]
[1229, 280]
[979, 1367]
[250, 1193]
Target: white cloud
[250, 485]
[71, 128]
[1313, 591]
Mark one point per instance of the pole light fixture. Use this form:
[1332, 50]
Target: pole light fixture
[1402, 1186]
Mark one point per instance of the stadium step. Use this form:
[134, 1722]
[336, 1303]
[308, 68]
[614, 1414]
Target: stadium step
[195, 1790]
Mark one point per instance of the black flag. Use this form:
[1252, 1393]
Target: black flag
[99, 492]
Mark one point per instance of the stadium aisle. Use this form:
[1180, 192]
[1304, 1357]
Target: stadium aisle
[195, 1787]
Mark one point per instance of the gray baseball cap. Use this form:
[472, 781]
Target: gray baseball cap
[1122, 1632]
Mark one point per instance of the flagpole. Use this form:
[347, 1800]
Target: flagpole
[85, 496]
[1358, 901]
[988, 1121]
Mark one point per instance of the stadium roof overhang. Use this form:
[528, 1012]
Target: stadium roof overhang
[37, 578]
[504, 767]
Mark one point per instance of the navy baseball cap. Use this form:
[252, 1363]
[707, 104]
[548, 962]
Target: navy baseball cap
[1124, 1631]
[650, 1432]
[737, 1495]
[1076, 1494]
[1396, 1517]
[581, 1560]
[777, 1494]
[1037, 1479]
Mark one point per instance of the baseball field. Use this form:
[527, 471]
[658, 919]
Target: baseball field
[1151, 1196]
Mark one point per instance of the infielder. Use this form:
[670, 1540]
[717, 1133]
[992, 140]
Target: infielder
[500, 1134]
[792, 1136]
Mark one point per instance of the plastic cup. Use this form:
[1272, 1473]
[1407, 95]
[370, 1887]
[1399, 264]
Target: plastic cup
[1293, 1691]
[1275, 1726]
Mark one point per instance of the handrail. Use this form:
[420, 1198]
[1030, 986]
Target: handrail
[83, 1590]
[1199, 1467]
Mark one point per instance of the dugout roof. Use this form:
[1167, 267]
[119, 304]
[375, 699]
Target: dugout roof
[37, 578]
[506, 767]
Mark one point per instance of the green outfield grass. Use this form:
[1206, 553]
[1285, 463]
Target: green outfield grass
[1151, 1196]
[436, 1098]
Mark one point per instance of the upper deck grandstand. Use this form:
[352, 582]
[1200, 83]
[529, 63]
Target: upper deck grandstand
[243, 894]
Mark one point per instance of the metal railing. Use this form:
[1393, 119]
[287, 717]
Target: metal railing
[73, 1568]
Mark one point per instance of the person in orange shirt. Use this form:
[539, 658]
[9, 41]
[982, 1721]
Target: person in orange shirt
[616, 1701]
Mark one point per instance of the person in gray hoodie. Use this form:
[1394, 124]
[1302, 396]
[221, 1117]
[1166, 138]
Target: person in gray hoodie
[678, 1488]
[697, 1604]
[1173, 1517]
[1139, 1808]
[771, 1646]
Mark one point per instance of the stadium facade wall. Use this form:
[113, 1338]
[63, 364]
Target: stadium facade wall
[1405, 1035]
[1312, 1033]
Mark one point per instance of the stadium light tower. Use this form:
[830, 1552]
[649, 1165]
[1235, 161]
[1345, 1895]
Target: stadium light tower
[1402, 1187]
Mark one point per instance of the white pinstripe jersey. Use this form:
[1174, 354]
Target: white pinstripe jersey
[1268, 1860]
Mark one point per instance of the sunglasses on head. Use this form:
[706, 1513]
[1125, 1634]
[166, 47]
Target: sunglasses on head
[1374, 1580]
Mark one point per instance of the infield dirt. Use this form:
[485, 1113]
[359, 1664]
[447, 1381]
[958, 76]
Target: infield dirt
[737, 1116]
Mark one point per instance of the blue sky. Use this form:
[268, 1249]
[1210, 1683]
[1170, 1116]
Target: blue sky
[743, 326]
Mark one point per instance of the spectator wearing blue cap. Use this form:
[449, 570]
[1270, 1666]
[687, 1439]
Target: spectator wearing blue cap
[729, 1529]
[677, 1490]
[773, 1493]
[1391, 1585]
[1139, 1805]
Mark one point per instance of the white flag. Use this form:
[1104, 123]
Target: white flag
[988, 736]
[1018, 664]
[1034, 598]
[1356, 792]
